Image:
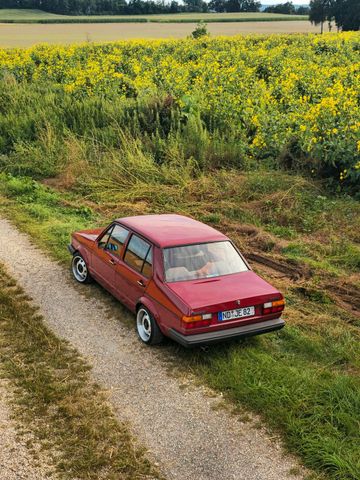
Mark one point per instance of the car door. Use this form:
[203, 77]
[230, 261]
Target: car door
[107, 254]
[134, 273]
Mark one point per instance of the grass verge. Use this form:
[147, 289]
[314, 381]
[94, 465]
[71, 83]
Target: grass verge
[304, 380]
[66, 413]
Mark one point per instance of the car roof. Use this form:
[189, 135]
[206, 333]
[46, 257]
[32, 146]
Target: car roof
[170, 229]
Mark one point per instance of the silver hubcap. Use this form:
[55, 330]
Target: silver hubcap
[143, 323]
[79, 269]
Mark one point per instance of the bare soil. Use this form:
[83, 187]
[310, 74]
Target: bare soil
[344, 292]
[24, 35]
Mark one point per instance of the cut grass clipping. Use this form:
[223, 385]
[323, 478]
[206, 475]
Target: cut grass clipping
[66, 413]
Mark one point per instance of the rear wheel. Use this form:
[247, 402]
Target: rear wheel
[80, 269]
[147, 328]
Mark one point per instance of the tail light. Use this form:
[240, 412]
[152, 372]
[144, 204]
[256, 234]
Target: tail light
[274, 307]
[197, 321]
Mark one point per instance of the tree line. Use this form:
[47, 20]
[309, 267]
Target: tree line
[288, 8]
[128, 7]
[132, 7]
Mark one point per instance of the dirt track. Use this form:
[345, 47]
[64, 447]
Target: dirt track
[177, 421]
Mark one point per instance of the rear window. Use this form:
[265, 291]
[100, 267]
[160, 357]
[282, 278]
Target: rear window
[204, 260]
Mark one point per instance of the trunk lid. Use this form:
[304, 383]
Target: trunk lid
[224, 293]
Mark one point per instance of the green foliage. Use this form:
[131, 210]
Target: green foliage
[200, 30]
[286, 8]
[345, 13]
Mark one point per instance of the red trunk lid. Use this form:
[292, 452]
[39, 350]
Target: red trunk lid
[223, 293]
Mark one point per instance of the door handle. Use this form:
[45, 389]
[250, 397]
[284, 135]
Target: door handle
[141, 283]
[112, 261]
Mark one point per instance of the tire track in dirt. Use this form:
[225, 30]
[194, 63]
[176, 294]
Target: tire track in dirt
[293, 272]
[183, 428]
[344, 295]
[342, 292]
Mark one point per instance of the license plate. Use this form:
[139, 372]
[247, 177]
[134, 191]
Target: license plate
[238, 313]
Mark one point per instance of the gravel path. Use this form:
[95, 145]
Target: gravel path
[181, 425]
[16, 462]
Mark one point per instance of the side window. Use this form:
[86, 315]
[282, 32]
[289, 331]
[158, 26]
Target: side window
[117, 239]
[136, 253]
[147, 268]
[105, 238]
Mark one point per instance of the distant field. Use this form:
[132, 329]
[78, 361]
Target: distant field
[20, 35]
[39, 16]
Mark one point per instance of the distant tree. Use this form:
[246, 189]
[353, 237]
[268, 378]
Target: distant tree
[196, 6]
[320, 11]
[217, 5]
[302, 10]
[174, 7]
[119, 6]
[286, 8]
[242, 6]
[346, 14]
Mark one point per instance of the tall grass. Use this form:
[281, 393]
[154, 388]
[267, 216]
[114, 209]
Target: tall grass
[44, 131]
[49, 132]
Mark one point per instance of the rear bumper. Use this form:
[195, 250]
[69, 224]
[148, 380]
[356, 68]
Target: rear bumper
[71, 249]
[228, 334]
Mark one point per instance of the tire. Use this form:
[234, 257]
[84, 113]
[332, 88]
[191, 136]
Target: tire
[147, 328]
[80, 269]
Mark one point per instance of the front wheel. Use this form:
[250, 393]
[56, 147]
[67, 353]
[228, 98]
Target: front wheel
[147, 328]
[80, 269]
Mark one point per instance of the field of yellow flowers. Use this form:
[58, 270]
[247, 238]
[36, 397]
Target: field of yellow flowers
[292, 98]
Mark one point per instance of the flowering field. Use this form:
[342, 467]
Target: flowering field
[293, 99]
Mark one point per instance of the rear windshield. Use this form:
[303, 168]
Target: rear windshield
[204, 260]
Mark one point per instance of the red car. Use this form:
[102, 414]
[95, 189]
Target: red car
[182, 278]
